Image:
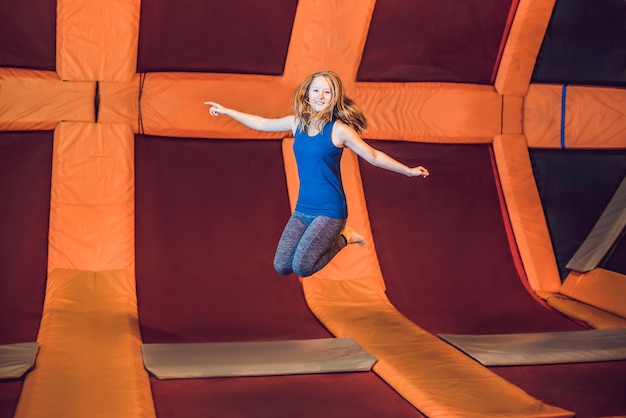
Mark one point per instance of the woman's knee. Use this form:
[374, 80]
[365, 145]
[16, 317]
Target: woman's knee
[282, 268]
[303, 268]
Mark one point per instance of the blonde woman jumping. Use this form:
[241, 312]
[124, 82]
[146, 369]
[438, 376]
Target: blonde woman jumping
[325, 121]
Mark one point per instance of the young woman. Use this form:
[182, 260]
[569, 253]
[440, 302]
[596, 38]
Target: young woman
[324, 122]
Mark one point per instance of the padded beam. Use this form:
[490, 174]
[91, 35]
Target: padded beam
[542, 348]
[604, 289]
[590, 315]
[522, 46]
[526, 213]
[595, 117]
[97, 40]
[348, 297]
[603, 235]
[17, 359]
[196, 360]
[89, 364]
[38, 100]
[92, 198]
[417, 364]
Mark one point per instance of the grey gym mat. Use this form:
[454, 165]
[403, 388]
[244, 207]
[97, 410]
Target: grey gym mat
[603, 235]
[542, 348]
[196, 360]
[17, 359]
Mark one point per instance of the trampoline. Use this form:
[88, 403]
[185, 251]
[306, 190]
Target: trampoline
[131, 217]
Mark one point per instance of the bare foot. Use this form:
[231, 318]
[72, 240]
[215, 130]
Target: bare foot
[352, 237]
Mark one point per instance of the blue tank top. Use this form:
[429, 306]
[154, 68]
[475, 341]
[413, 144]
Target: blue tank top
[321, 191]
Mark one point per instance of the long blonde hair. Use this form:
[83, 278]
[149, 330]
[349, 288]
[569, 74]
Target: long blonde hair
[340, 108]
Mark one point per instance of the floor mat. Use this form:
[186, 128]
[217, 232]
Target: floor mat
[195, 360]
[543, 347]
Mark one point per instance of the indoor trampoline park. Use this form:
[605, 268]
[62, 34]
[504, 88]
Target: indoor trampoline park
[138, 231]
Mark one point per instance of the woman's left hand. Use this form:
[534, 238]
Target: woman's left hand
[419, 171]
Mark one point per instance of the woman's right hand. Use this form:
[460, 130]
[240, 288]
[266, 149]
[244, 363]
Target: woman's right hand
[216, 109]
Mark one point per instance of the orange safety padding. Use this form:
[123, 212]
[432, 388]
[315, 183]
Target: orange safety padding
[348, 297]
[92, 198]
[526, 213]
[89, 363]
[430, 112]
[437, 379]
[38, 100]
[353, 261]
[97, 39]
[522, 46]
[595, 117]
[512, 116]
[92, 208]
[172, 104]
[119, 102]
[328, 35]
[604, 289]
[590, 315]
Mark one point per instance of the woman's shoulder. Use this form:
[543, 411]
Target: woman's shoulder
[341, 128]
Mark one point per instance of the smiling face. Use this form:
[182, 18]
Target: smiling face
[320, 94]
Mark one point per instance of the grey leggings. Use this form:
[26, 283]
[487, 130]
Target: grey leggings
[308, 243]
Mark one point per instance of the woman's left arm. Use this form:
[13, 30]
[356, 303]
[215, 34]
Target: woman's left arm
[343, 135]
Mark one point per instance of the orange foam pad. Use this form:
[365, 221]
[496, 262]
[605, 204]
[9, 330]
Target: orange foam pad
[172, 105]
[353, 261]
[92, 198]
[348, 297]
[89, 363]
[601, 288]
[97, 40]
[522, 46]
[344, 23]
[418, 365]
[38, 100]
[584, 107]
[526, 213]
[592, 316]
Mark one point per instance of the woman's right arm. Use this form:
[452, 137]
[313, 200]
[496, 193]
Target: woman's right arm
[255, 122]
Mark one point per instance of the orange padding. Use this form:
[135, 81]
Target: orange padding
[601, 288]
[526, 213]
[89, 363]
[97, 40]
[38, 100]
[172, 105]
[418, 365]
[348, 297]
[592, 316]
[595, 117]
[92, 198]
[353, 261]
[522, 46]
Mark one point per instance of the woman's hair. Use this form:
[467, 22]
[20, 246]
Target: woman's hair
[340, 108]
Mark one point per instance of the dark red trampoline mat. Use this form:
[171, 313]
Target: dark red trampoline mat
[209, 214]
[445, 257]
[28, 33]
[25, 173]
[338, 395]
[447, 40]
[588, 389]
[443, 246]
[235, 36]
[10, 391]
